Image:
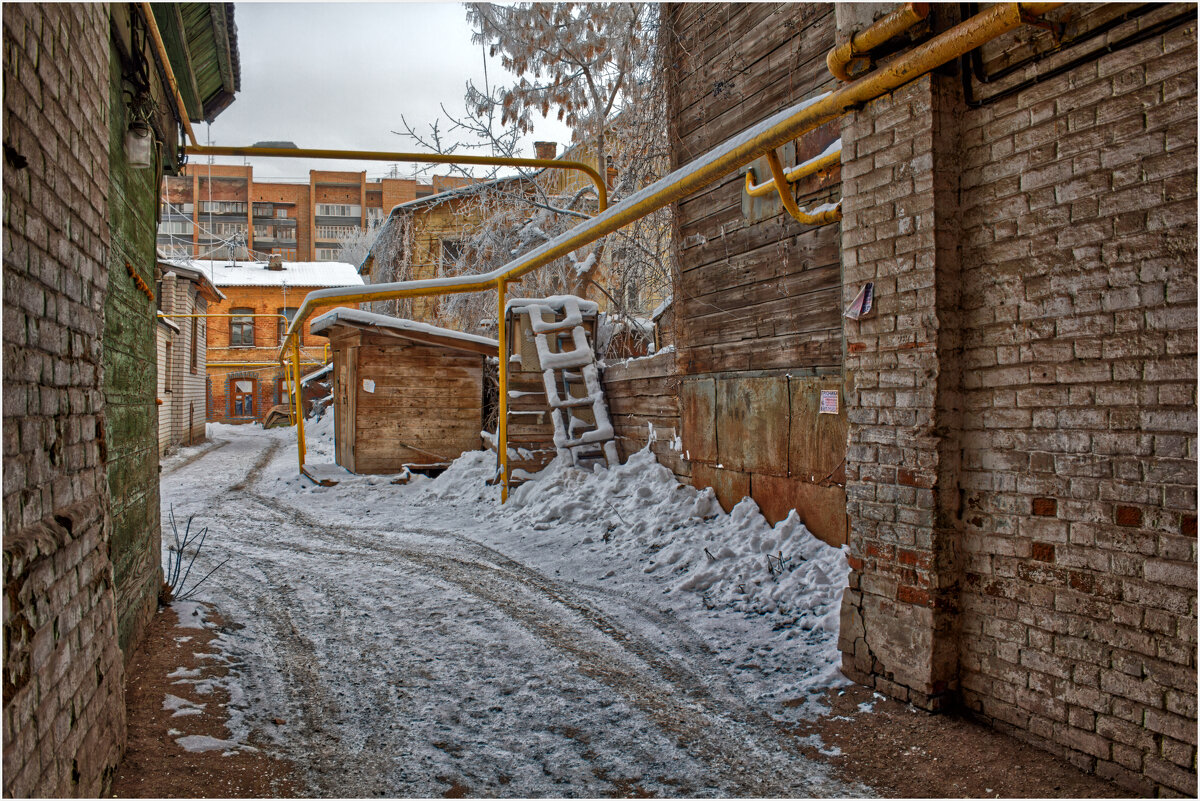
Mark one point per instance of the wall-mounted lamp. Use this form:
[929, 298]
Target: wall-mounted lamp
[139, 144]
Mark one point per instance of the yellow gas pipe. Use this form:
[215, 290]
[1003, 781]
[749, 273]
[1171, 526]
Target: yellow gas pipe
[863, 42]
[720, 161]
[421, 158]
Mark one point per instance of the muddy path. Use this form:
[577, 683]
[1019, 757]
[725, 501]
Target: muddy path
[417, 661]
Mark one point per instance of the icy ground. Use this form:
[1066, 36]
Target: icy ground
[599, 635]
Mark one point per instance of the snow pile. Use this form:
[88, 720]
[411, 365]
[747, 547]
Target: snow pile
[737, 560]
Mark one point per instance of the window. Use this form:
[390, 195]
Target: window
[338, 210]
[170, 251]
[227, 229]
[288, 254]
[264, 210]
[281, 391]
[327, 254]
[195, 339]
[452, 251]
[335, 231]
[241, 397]
[167, 369]
[374, 216]
[241, 329]
[290, 313]
[281, 214]
[175, 227]
[222, 207]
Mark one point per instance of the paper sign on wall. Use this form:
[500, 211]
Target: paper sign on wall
[368, 385]
[829, 401]
[862, 303]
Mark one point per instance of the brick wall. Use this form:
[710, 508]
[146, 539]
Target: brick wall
[63, 674]
[1021, 473]
[1079, 415]
[262, 300]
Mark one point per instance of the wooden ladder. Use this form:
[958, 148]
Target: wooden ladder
[583, 431]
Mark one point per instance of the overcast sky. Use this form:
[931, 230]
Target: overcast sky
[339, 75]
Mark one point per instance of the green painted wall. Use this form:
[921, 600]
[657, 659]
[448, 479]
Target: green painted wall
[131, 422]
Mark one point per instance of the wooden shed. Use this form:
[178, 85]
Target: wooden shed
[405, 394]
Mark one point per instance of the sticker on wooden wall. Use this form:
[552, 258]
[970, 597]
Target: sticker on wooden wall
[829, 401]
[368, 385]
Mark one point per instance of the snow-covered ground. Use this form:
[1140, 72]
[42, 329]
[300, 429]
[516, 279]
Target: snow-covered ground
[599, 634]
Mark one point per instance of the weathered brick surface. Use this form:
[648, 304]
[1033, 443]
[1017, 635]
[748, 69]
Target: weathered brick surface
[63, 672]
[1047, 402]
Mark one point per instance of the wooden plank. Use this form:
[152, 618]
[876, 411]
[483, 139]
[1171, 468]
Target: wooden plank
[730, 486]
[821, 509]
[654, 367]
[817, 442]
[752, 424]
[698, 418]
[793, 351]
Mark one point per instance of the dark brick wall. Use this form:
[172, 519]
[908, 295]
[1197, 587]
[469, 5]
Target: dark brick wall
[64, 724]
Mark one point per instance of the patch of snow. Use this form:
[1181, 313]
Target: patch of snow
[198, 743]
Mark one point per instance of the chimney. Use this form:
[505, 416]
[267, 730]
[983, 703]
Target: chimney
[275, 262]
[545, 150]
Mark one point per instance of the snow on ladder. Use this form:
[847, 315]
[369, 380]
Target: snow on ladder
[572, 381]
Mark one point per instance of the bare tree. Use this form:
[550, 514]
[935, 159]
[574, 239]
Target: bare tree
[595, 65]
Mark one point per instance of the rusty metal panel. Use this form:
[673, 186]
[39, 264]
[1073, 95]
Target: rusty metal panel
[821, 509]
[729, 485]
[697, 408]
[752, 424]
[817, 442]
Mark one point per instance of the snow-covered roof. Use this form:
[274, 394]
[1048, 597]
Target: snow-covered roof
[407, 328]
[224, 272]
[446, 194]
[315, 374]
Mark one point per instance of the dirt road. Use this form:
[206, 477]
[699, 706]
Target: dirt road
[416, 661]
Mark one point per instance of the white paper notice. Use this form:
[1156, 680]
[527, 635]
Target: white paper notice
[829, 401]
[368, 385]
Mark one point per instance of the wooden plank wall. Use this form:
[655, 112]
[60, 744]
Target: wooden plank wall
[643, 395]
[426, 406]
[750, 295]
[757, 295]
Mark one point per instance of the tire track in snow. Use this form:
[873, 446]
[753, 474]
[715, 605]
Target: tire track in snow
[673, 683]
[705, 721]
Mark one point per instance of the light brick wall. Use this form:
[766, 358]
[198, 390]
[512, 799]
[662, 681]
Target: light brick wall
[1021, 470]
[64, 717]
[1079, 421]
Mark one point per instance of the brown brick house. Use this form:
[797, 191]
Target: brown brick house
[244, 377]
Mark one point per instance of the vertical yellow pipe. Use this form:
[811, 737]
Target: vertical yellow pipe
[502, 411]
[299, 400]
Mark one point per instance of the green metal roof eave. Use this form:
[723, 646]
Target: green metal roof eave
[201, 40]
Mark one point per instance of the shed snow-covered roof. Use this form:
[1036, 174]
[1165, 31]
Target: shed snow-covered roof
[255, 273]
[408, 329]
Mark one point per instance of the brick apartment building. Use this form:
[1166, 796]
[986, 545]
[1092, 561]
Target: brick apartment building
[217, 211]
[244, 377]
